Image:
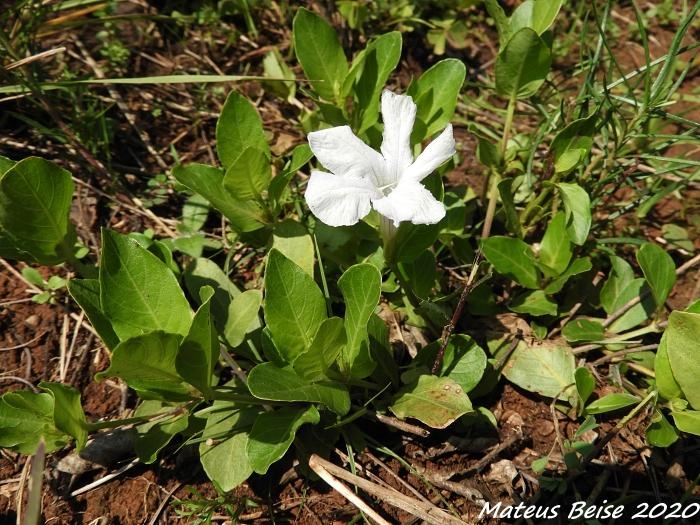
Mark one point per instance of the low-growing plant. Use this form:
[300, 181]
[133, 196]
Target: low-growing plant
[296, 357]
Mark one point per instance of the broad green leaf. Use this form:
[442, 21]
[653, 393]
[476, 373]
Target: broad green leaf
[533, 302]
[546, 368]
[86, 292]
[208, 181]
[585, 384]
[276, 68]
[147, 364]
[505, 191]
[222, 450]
[294, 305]
[577, 205]
[270, 382]
[368, 75]
[464, 361]
[68, 415]
[573, 143]
[273, 433]
[249, 175]
[665, 382]
[154, 435]
[580, 265]
[138, 293]
[661, 433]
[35, 199]
[502, 22]
[555, 249]
[512, 258]
[621, 274]
[242, 317]
[611, 402]
[523, 65]
[638, 313]
[292, 239]
[301, 155]
[535, 14]
[27, 417]
[581, 329]
[328, 343]
[199, 350]
[682, 336]
[195, 211]
[319, 53]
[413, 239]
[436, 93]
[361, 288]
[238, 129]
[658, 269]
[5, 164]
[687, 421]
[435, 401]
[420, 273]
[488, 154]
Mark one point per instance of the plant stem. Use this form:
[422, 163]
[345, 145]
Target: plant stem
[387, 231]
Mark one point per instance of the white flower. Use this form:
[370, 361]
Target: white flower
[362, 178]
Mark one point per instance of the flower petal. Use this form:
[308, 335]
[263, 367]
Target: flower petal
[339, 200]
[399, 114]
[435, 153]
[341, 152]
[410, 201]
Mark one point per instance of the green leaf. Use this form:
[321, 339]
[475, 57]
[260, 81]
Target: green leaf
[682, 336]
[195, 211]
[538, 15]
[577, 205]
[328, 343]
[242, 317]
[86, 292]
[661, 433]
[5, 164]
[68, 415]
[687, 421]
[533, 302]
[199, 351]
[585, 384]
[413, 239]
[26, 418]
[611, 402]
[658, 269]
[153, 436]
[436, 93]
[546, 368]
[637, 314]
[420, 273]
[573, 143]
[292, 239]
[301, 155]
[361, 288]
[555, 249]
[512, 258]
[580, 265]
[147, 364]
[488, 154]
[35, 199]
[368, 76]
[239, 129]
[665, 382]
[435, 401]
[621, 274]
[523, 65]
[319, 53]
[505, 190]
[138, 292]
[222, 450]
[273, 433]
[270, 382]
[245, 215]
[502, 22]
[581, 329]
[294, 306]
[249, 175]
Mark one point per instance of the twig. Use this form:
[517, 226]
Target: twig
[401, 425]
[104, 479]
[449, 328]
[427, 512]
